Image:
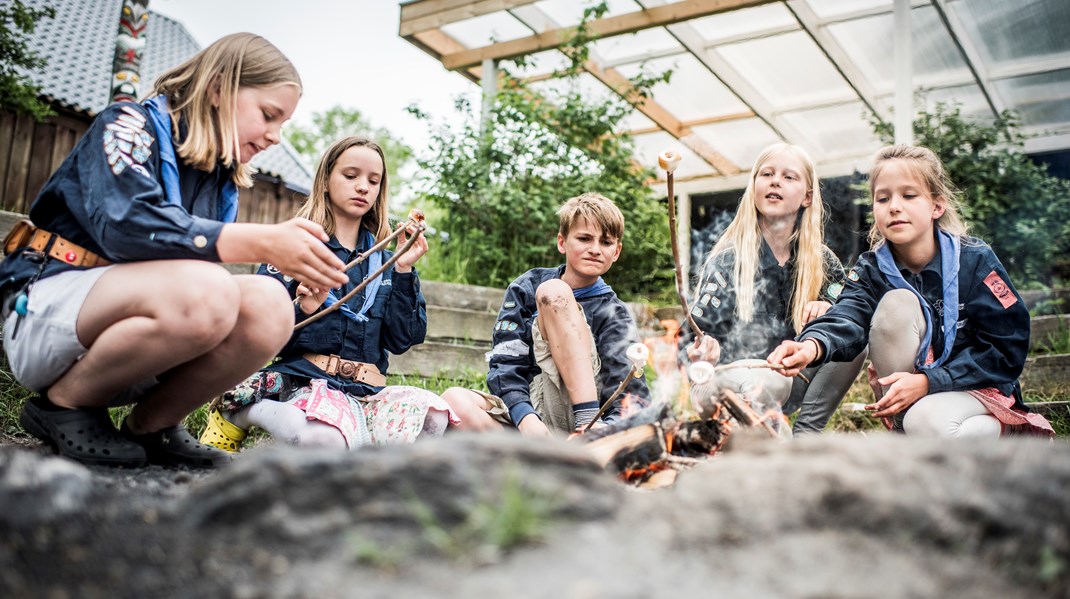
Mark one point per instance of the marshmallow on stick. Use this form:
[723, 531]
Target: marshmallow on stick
[669, 160]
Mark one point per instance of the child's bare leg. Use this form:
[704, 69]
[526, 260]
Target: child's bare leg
[471, 408]
[263, 326]
[143, 319]
[569, 338]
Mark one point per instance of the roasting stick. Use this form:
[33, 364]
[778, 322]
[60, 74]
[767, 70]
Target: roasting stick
[421, 226]
[637, 354]
[768, 365]
[668, 161]
[415, 218]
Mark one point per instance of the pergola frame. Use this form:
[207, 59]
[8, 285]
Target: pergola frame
[422, 23]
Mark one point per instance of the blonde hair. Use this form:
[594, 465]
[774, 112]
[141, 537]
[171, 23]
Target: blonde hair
[744, 237]
[232, 62]
[594, 208]
[317, 208]
[926, 166]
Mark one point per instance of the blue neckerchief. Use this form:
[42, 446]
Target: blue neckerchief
[949, 273]
[161, 118]
[599, 287]
[375, 262]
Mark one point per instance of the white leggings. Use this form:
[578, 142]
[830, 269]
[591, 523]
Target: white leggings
[894, 339]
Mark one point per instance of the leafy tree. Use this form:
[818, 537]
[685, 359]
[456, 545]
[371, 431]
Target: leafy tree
[499, 185]
[17, 91]
[1009, 201]
[337, 122]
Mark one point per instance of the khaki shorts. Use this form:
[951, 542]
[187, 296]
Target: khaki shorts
[47, 344]
[548, 393]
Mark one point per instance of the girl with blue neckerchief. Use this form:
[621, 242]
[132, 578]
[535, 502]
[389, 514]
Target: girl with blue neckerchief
[111, 296]
[948, 333]
[327, 387]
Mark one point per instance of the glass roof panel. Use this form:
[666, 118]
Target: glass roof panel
[829, 9]
[787, 69]
[1008, 32]
[636, 121]
[568, 13]
[740, 141]
[743, 21]
[590, 88]
[968, 97]
[487, 29]
[870, 42]
[540, 63]
[839, 131]
[647, 148]
[635, 46]
[692, 92]
[1041, 99]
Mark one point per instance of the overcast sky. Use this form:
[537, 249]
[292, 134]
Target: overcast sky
[347, 52]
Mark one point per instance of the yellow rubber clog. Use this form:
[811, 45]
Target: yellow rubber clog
[221, 433]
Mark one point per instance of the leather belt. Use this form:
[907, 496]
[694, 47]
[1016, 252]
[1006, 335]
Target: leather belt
[26, 234]
[360, 372]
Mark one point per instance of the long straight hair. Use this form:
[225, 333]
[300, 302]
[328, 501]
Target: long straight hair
[317, 208]
[232, 62]
[744, 238]
[926, 166]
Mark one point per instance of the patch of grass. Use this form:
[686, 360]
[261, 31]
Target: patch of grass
[12, 396]
[1053, 343]
[493, 525]
[437, 384]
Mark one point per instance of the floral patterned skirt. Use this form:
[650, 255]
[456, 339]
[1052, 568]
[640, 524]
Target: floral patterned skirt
[396, 414]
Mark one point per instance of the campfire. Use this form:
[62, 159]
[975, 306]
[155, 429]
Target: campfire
[681, 428]
[678, 430]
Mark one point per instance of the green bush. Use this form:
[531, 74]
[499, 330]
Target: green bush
[498, 184]
[1009, 201]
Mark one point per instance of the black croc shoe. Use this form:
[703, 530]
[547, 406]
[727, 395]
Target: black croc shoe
[82, 434]
[174, 446]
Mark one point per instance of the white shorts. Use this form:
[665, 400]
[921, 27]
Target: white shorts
[47, 345]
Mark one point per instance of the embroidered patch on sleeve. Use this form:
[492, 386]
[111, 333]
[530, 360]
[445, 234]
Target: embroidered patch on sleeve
[715, 301]
[853, 275]
[513, 348]
[126, 143]
[697, 311]
[720, 279]
[509, 305]
[705, 299]
[1000, 290]
[834, 290]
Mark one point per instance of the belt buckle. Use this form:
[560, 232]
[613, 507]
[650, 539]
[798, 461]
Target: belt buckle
[332, 365]
[349, 369]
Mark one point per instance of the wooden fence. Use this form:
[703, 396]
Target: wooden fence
[30, 152]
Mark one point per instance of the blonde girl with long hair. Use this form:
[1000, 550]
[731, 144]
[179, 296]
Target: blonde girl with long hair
[327, 387]
[765, 278]
[113, 295]
[949, 333]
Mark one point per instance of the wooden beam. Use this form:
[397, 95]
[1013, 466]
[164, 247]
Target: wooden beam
[602, 28]
[437, 13]
[664, 119]
[721, 118]
[438, 43]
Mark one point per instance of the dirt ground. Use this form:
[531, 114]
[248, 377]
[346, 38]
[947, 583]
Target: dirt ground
[837, 516]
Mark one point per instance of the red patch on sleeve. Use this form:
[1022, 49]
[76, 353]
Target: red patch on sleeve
[1000, 290]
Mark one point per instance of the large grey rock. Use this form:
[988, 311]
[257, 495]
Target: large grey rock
[876, 516]
[35, 489]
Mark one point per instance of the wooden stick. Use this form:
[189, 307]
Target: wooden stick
[681, 290]
[345, 298]
[768, 365]
[361, 257]
[632, 374]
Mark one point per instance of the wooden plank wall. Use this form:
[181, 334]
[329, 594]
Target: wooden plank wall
[30, 152]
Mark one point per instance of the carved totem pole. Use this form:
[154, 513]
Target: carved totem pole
[126, 68]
